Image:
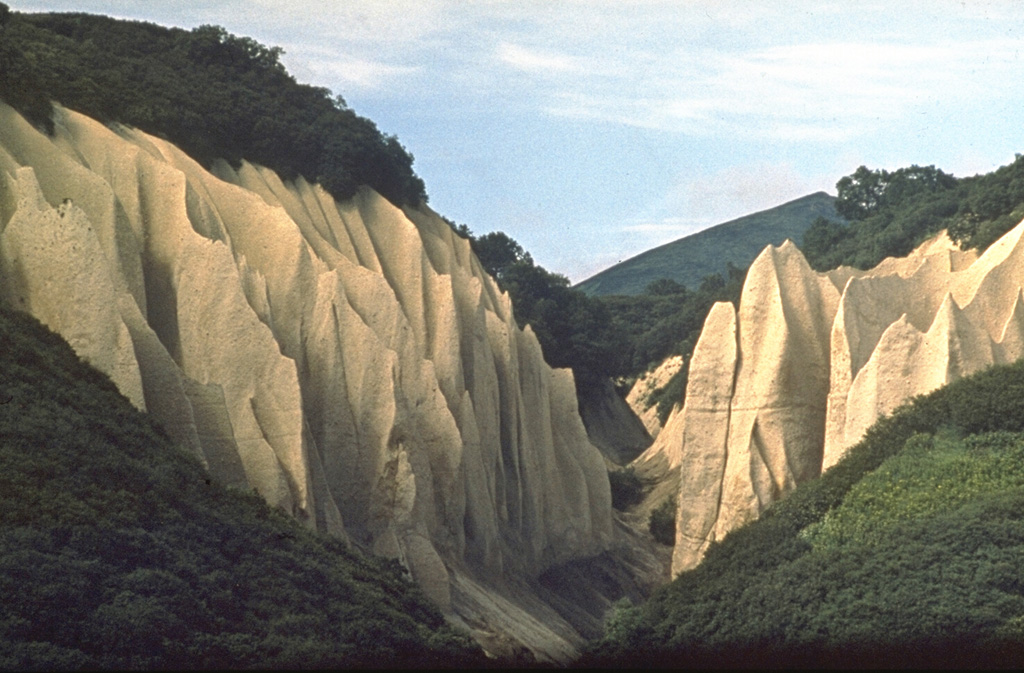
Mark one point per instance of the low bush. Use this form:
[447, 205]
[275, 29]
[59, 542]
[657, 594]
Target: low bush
[662, 522]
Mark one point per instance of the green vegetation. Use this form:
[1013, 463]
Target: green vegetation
[117, 551]
[689, 260]
[662, 522]
[214, 95]
[933, 475]
[890, 213]
[573, 329]
[909, 552]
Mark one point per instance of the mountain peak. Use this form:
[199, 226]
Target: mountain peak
[689, 259]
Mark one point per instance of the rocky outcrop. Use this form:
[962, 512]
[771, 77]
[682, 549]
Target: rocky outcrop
[351, 361]
[612, 426]
[640, 397]
[780, 388]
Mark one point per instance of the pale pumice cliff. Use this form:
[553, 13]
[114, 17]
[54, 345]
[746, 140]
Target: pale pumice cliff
[780, 388]
[639, 397]
[351, 361]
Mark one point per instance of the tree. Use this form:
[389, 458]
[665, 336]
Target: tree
[823, 243]
[860, 194]
[867, 192]
[498, 252]
[664, 287]
[662, 522]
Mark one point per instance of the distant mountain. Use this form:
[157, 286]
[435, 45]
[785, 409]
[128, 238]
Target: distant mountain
[693, 257]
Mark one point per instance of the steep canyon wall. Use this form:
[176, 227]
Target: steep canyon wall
[780, 388]
[351, 361]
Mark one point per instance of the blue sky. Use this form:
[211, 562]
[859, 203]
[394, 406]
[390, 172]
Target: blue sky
[591, 131]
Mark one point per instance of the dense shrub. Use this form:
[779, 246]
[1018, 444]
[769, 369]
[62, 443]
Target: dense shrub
[907, 552]
[118, 551]
[627, 488]
[662, 522]
[213, 94]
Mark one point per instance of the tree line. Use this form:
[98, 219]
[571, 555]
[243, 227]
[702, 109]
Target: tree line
[892, 212]
[211, 93]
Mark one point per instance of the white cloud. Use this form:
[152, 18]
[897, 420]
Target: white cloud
[744, 189]
[380, 22]
[730, 193]
[807, 92]
[345, 70]
[535, 60]
[802, 71]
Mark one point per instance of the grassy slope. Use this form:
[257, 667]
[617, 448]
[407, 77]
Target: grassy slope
[116, 550]
[909, 552]
[691, 258]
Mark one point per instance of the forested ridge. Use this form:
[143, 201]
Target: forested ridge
[118, 551]
[892, 212]
[213, 94]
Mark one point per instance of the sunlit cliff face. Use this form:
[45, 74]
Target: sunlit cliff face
[350, 361]
[780, 388]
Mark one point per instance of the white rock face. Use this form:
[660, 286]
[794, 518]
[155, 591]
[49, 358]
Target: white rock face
[779, 392]
[639, 397]
[351, 361]
[696, 440]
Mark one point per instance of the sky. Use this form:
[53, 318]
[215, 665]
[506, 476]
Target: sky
[591, 131]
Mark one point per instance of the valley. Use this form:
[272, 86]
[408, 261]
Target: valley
[276, 391]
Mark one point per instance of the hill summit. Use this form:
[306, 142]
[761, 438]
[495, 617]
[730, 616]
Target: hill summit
[691, 258]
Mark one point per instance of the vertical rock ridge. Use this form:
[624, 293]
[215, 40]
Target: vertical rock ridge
[1011, 338]
[351, 361]
[777, 416]
[820, 358]
[703, 451]
[639, 397]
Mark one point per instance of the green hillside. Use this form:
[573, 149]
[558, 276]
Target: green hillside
[689, 260]
[117, 551]
[908, 553]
